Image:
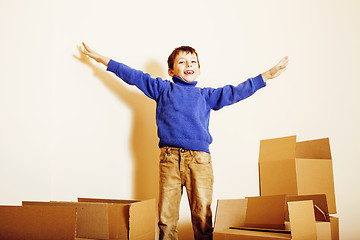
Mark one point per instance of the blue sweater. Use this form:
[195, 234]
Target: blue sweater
[182, 109]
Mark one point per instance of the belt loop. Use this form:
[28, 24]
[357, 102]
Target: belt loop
[191, 153]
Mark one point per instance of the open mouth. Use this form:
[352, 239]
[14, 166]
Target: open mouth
[189, 72]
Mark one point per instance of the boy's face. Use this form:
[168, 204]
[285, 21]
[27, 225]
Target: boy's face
[185, 66]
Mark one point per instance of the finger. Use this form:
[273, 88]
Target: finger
[279, 72]
[82, 49]
[87, 48]
[283, 61]
[286, 61]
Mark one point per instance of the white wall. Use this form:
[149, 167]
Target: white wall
[68, 128]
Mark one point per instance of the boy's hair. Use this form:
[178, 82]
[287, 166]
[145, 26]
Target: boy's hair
[176, 51]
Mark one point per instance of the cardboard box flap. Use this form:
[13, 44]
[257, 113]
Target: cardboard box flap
[266, 212]
[320, 205]
[278, 177]
[334, 224]
[137, 220]
[102, 200]
[314, 149]
[235, 234]
[142, 219]
[118, 221]
[118, 215]
[277, 149]
[302, 220]
[37, 222]
[229, 213]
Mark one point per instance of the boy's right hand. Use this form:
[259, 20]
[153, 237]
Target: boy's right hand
[94, 55]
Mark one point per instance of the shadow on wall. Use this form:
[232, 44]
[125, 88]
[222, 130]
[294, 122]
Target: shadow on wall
[144, 141]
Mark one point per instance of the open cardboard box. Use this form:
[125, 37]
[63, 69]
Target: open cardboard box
[111, 219]
[321, 214]
[37, 223]
[138, 216]
[264, 218]
[297, 168]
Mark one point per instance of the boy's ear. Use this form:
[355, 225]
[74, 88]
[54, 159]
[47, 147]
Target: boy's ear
[171, 72]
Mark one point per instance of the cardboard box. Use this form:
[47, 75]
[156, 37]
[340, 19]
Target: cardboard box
[297, 168]
[115, 219]
[37, 223]
[323, 220]
[320, 206]
[140, 216]
[334, 222]
[251, 218]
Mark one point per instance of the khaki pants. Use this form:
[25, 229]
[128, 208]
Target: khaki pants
[192, 169]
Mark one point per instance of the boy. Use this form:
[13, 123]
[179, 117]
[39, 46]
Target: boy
[182, 117]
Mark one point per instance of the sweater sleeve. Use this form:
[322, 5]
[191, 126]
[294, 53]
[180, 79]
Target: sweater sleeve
[151, 87]
[227, 95]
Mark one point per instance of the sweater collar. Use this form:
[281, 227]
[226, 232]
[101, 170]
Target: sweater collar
[181, 82]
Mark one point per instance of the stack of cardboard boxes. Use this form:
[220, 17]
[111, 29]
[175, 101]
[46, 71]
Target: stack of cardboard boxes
[296, 198]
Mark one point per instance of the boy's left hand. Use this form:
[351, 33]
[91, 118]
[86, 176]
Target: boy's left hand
[276, 70]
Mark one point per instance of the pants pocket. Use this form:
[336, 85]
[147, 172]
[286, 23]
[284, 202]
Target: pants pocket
[202, 158]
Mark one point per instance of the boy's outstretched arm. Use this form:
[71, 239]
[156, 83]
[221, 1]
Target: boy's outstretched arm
[276, 70]
[94, 55]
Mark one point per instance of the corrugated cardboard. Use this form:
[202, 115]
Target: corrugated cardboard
[235, 234]
[229, 213]
[140, 216]
[266, 212]
[101, 220]
[302, 220]
[297, 168]
[232, 213]
[324, 222]
[334, 221]
[320, 205]
[323, 230]
[37, 223]
[92, 219]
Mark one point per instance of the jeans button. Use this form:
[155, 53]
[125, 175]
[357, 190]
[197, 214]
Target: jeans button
[182, 150]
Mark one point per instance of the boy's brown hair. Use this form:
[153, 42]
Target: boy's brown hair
[176, 51]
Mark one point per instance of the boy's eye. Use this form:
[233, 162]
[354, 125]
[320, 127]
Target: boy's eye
[193, 61]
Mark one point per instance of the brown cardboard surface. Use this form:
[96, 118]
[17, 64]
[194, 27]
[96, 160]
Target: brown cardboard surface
[285, 172]
[316, 176]
[313, 149]
[232, 213]
[118, 221]
[234, 234]
[229, 213]
[277, 149]
[92, 218]
[138, 217]
[110, 218]
[334, 222]
[320, 205]
[266, 212]
[103, 200]
[302, 220]
[323, 230]
[37, 223]
[297, 168]
[142, 220]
